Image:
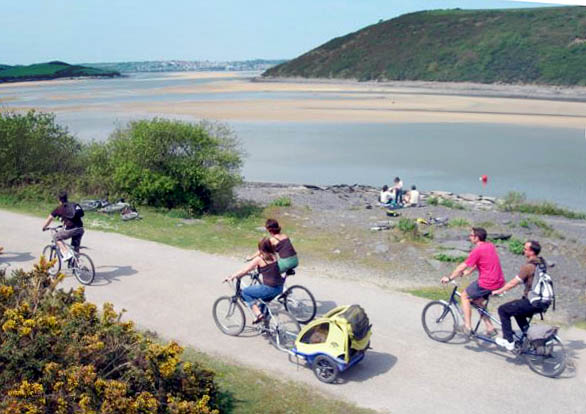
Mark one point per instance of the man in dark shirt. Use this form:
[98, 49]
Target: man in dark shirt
[521, 309]
[73, 226]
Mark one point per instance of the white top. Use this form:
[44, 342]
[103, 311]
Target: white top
[386, 196]
[414, 197]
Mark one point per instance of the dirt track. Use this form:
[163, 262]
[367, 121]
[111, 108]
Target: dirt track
[171, 291]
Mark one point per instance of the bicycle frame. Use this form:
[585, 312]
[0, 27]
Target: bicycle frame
[482, 310]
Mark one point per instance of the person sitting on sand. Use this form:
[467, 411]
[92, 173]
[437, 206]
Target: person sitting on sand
[412, 197]
[386, 195]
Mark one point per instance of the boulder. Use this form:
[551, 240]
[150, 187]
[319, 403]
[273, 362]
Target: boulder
[470, 197]
[461, 245]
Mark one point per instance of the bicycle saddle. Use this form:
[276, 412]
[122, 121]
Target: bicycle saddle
[290, 272]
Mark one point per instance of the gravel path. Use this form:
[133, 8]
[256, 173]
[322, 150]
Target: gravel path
[171, 291]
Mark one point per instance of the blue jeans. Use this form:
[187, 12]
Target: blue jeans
[264, 292]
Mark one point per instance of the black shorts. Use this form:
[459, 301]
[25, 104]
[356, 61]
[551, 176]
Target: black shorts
[476, 292]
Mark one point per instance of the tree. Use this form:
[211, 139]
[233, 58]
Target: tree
[170, 164]
[33, 148]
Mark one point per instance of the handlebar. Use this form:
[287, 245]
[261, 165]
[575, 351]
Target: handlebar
[55, 228]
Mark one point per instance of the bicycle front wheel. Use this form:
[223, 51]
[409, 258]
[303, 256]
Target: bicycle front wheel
[228, 315]
[438, 321]
[300, 302]
[283, 330]
[548, 359]
[50, 253]
[83, 269]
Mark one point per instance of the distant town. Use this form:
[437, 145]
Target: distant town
[186, 65]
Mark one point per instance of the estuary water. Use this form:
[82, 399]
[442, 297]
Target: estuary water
[544, 163]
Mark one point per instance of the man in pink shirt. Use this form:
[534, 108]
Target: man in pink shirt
[485, 259]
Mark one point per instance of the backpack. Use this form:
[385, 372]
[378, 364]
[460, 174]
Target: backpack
[540, 337]
[542, 292]
[72, 211]
[358, 321]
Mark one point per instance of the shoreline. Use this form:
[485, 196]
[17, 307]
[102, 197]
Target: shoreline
[484, 90]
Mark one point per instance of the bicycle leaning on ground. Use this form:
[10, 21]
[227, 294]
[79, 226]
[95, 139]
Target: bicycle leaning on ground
[81, 264]
[296, 299]
[279, 325]
[441, 319]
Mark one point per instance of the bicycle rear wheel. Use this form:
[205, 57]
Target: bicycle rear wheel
[549, 359]
[283, 330]
[83, 269]
[300, 302]
[228, 315]
[50, 253]
[439, 321]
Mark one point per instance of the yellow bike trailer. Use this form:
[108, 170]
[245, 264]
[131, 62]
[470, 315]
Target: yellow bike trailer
[335, 342]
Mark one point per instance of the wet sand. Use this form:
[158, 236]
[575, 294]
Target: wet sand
[350, 101]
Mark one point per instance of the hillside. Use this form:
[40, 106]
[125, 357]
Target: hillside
[50, 70]
[536, 45]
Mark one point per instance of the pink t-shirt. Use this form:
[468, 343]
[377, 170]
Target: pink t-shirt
[486, 260]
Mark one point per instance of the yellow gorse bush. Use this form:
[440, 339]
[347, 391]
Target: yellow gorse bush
[60, 354]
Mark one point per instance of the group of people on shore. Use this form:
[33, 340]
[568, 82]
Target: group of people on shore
[396, 196]
[484, 258]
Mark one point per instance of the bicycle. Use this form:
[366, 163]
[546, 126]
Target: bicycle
[80, 264]
[280, 326]
[441, 320]
[296, 299]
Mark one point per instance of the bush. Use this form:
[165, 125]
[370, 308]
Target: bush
[442, 257]
[166, 163]
[514, 201]
[281, 202]
[516, 246]
[59, 355]
[34, 149]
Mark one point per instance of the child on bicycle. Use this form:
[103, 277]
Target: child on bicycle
[266, 261]
[71, 217]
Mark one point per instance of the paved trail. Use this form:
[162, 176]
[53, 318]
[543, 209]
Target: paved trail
[171, 291]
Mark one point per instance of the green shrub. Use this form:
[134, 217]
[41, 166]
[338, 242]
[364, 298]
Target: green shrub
[281, 202]
[516, 246]
[442, 257]
[524, 223]
[451, 204]
[35, 150]
[166, 163]
[59, 355]
[515, 201]
[433, 201]
[406, 225]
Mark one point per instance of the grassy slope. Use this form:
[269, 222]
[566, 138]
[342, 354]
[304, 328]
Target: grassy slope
[543, 45]
[50, 70]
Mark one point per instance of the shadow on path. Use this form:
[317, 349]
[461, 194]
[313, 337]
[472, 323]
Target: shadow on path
[16, 257]
[107, 274]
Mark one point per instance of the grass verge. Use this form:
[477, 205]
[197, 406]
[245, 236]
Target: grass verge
[431, 292]
[249, 391]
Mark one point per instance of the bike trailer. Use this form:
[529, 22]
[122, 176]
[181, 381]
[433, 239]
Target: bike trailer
[335, 342]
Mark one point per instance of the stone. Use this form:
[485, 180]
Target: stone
[461, 245]
[441, 193]
[469, 197]
[336, 251]
[381, 248]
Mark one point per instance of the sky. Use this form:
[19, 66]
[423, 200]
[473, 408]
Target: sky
[90, 31]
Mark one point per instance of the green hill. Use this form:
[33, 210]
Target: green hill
[50, 70]
[536, 45]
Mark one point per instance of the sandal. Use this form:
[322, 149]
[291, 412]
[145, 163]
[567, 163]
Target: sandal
[258, 319]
